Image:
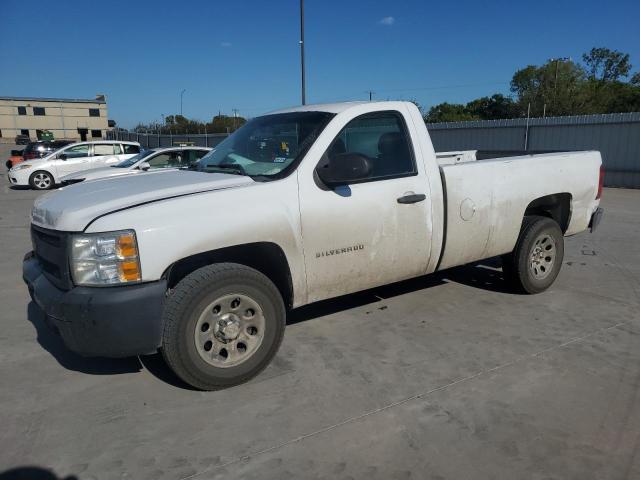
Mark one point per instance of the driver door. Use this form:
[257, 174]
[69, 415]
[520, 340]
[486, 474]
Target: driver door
[77, 159]
[372, 232]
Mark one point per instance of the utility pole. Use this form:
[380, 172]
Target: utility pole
[181, 94]
[370, 92]
[555, 82]
[526, 131]
[235, 118]
[304, 100]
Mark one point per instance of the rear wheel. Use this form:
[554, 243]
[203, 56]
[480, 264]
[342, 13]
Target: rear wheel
[41, 180]
[535, 262]
[222, 325]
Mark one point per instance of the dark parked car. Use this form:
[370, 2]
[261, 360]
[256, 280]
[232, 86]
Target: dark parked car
[22, 139]
[43, 147]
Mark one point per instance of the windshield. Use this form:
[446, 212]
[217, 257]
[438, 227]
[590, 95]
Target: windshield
[266, 147]
[129, 162]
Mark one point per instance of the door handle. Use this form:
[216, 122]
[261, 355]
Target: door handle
[413, 198]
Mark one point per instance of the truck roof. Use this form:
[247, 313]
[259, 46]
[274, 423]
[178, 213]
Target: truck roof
[333, 107]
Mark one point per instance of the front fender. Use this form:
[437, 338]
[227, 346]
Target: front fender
[172, 229]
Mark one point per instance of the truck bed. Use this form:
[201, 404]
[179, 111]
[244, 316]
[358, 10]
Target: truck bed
[486, 200]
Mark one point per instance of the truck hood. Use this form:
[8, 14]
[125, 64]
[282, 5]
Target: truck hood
[96, 173]
[72, 208]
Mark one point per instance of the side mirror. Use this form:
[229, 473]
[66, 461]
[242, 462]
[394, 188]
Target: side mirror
[62, 156]
[343, 169]
[144, 166]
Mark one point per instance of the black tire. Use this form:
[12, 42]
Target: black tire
[41, 180]
[190, 299]
[518, 268]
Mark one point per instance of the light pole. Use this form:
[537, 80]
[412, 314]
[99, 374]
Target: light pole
[181, 95]
[304, 101]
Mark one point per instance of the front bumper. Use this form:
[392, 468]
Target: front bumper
[100, 321]
[16, 177]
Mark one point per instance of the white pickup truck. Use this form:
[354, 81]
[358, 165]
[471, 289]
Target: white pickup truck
[297, 206]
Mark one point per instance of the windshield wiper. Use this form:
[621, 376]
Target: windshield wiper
[226, 168]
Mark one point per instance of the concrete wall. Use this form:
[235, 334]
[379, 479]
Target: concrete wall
[616, 136]
[62, 118]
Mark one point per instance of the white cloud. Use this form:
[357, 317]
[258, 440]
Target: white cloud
[387, 21]
[225, 44]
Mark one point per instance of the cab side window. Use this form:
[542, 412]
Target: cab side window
[383, 138]
[77, 151]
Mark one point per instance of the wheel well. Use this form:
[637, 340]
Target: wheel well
[556, 206]
[266, 257]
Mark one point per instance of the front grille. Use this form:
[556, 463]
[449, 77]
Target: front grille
[51, 250]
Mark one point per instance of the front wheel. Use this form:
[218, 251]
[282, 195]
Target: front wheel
[41, 180]
[535, 262]
[223, 324]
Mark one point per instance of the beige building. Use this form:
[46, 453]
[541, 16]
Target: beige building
[65, 118]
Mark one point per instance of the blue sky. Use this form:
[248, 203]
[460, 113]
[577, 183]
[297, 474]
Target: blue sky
[244, 54]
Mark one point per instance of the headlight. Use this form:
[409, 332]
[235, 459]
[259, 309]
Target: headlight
[109, 258]
[22, 166]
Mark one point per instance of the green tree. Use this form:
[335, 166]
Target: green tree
[492, 108]
[606, 65]
[553, 88]
[448, 112]
[179, 125]
[225, 123]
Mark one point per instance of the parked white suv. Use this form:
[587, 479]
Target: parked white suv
[147, 160]
[44, 173]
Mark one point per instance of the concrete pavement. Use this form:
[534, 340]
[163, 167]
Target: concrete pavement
[443, 377]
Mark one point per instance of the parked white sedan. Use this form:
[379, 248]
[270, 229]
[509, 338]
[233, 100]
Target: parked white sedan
[156, 158]
[43, 173]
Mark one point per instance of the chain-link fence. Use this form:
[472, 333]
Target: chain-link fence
[157, 140]
[616, 136]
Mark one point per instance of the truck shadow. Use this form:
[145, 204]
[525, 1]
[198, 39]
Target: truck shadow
[33, 473]
[484, 275]
[53, 344]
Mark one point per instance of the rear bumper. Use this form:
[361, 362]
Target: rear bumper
[100, 321]
[596, 217]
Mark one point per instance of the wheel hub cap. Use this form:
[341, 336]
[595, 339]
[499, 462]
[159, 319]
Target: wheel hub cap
[542, 257]
[229, 330]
